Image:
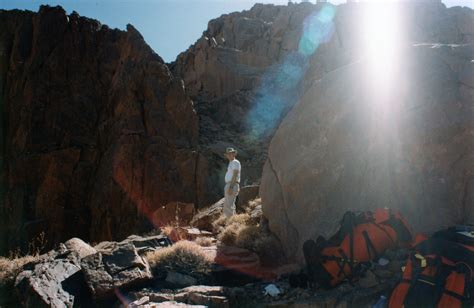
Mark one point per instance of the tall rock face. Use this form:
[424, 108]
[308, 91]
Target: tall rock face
[238, 73]
[224, 73]
[97, 133]
[393, 130]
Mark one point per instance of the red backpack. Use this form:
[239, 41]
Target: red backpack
[439, 273]
[361, 238]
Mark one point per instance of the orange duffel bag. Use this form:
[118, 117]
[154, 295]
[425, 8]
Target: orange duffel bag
[439, 273]
[361, 238]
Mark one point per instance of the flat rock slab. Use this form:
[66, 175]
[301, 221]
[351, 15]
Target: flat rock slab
[122, 267]
[209, 296]
[180, 279]
[143, 244]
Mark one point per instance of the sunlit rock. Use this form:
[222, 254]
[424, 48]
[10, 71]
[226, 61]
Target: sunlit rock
[350, 145]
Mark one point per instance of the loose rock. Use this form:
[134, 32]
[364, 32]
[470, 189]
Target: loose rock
[122, 267]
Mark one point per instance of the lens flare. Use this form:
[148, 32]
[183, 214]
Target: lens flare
[318, 28]
[280, 86]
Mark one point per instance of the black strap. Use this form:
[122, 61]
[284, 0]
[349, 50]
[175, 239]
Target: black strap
[351, 248]
[403, 233]
[370, 246]
[341, 262]
[454, 294]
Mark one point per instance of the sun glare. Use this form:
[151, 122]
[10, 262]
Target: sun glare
[381, 34]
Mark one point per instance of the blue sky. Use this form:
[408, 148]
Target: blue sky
[168, 26]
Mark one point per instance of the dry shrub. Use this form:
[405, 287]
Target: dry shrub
[228, 235]
[243, 231]
[240, 219]
[204, 241]
[219, 224]
[185, 257]
[228, 228]
[253, 204]
[11, 267]
[233, 227]
[246, 237]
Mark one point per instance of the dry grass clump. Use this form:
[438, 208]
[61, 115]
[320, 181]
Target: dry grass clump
[219, 225]
[11, 267]
[228, 235]
[240, 219]
[252, 205]
[204, 241]
[264, 244]
[246, 237]
[228, 228]
[244, 231]
[185, 257]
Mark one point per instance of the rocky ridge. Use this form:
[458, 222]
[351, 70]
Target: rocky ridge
[97, 133]
[230, 71]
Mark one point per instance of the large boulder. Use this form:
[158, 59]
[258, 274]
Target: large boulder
[403, 140]
[97, 133]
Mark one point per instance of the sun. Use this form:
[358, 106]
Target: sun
[381, 38]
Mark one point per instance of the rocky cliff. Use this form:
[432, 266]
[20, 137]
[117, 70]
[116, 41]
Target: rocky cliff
[97, 133]
[249, 68]
[390, 130]
[228, 73]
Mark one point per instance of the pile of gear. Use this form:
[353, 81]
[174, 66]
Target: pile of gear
[438, 271]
